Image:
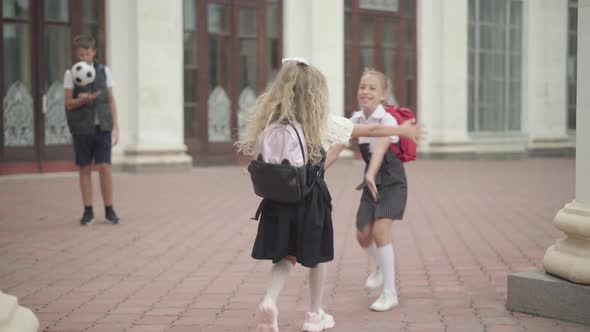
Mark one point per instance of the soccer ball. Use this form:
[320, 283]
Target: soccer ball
[83, 73]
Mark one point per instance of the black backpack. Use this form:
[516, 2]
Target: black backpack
[282, 182]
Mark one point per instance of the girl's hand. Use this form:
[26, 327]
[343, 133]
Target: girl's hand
[370, 182]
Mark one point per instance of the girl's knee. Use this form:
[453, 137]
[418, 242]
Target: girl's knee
[381, 232]
[364, 239]
[291, 259]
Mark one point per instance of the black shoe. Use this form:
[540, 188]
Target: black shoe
[111, 216]
[87, 218]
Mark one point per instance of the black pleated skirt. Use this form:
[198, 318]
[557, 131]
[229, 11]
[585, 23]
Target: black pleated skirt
[303, 230]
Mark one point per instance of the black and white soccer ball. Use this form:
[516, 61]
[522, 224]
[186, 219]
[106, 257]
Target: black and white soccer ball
[83, 73]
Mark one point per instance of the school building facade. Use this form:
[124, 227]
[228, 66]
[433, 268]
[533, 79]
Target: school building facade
[486, 77]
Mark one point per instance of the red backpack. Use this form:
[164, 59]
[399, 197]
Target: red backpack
[406, 148]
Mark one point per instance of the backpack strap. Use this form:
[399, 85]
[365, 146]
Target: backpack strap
[258, 211]
[299, 138]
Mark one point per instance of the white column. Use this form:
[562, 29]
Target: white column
[545, 63]
[14, 318]
[569, 258]
[583, 106]
[121, 57]
[145, 46]
[315, 30]
[442, 75]
[297, 28]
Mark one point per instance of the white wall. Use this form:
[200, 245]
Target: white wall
[545, 45]
[443, 77]
[583, 105]
[145, 51]
[315, 30]
[160, 75]
[121, 57]
[442, 71]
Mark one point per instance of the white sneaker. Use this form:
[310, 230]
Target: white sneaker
[266, 316]
[318, 322]
[386, 301]
[375, 280]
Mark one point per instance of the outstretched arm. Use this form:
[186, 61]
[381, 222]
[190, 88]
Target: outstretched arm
[408, 129]
[333, 155]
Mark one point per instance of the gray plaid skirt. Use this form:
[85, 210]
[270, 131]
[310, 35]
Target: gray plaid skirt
[392, 187]
[390, 204]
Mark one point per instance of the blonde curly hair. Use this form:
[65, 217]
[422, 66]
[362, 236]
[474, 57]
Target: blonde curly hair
[299, 93]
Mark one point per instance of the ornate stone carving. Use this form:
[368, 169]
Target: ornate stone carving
[219, 116]
[18, 116]
[56, 126]
[246, 103]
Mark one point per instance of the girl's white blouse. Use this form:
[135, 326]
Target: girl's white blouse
[338, 131]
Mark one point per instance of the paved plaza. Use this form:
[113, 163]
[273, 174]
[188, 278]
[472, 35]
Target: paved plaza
[180, 259]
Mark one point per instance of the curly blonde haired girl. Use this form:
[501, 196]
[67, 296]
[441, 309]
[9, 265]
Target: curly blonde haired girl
[298, 93]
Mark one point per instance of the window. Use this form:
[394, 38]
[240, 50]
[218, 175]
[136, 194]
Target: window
[572, 63]
[381, 35]
[495, 65]
[232, 48]
[35, 50]
[191, 66]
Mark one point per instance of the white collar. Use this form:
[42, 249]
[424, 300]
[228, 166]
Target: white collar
[377, 114]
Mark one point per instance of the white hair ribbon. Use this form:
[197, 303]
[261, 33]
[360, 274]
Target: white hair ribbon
[298, 60]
